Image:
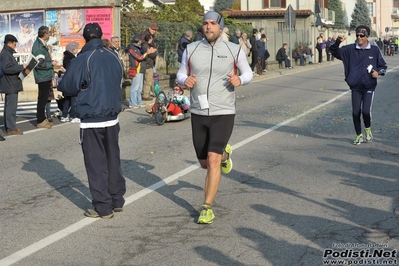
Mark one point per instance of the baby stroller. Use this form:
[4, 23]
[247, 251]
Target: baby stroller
[169, 106]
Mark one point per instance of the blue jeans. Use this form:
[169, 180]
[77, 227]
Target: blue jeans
[135, 90]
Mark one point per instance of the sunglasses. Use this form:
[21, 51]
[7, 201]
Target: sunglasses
[176, 89]
[360, 35]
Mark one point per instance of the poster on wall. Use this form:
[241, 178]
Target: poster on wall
[71, 26]
[53, 41]
[102, 16]
[4, 28]
[24, 26]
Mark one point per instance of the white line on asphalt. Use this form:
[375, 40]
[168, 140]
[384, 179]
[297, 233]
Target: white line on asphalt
[26, 252]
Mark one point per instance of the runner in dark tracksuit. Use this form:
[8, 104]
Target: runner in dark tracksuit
[363, 63]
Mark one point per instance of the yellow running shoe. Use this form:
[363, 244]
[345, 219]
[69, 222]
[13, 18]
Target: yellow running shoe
[206, 215]
[358, 139]
[369, 136]
[228, 164]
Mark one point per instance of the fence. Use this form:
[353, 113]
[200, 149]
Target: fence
[169, 34]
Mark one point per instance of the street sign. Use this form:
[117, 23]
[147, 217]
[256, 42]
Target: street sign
[290, 16]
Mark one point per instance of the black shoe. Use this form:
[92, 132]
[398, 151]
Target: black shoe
[2, 138]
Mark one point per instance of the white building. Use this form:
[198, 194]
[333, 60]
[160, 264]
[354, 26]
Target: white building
[207, 4]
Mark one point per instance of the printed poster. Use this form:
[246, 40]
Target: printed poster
[103, 16]
[4, 28]
[24, 27]
[72, 23]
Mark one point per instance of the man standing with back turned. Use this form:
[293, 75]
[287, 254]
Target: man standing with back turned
[98, 104]
[209, 69]
[363, 63]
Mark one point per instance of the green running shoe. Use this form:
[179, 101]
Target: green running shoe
[358, 139]
[228, 164]
[206, 215]
[369, 136]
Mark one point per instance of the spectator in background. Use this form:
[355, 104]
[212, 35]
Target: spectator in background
[116, 47]
[245, 44]
[148, 38]
[98, 106]
[225, 34]
[299, 54]
[261, 54]
[11, 84]
[309, 53]
[69, 105]
[199, 35]
[320, 45]
[107, 43]
[137, 62]
[259, 34]
[386, 44]
[148, 89]
[236, 37]
[282, 56]
[254, 50]
[186, 39]
[380, 45]
[43, 73]
[328, 53]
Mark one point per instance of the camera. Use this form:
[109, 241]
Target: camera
[382, 72]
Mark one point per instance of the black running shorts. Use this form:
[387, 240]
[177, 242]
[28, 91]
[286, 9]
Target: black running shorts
[211, 133]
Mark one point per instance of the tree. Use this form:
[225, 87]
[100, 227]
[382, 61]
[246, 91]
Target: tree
[236, 5]
[193, 5]
[221, 5]
[336, 5]
[133, 5]
[360, 15]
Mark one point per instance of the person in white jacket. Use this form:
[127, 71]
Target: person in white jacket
[209, 70]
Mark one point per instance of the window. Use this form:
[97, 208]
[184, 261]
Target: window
[275, 3]
[280, 26]
[370, 7]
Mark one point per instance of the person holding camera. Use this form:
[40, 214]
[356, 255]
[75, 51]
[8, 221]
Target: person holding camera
[363, 63]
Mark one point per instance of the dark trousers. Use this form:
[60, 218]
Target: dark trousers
[42, 98]
[10, 111]
[301, 59]
[259, 65]
[320, 51]
[69, 107]
[103, 167]
[362, 102]
[254, 60]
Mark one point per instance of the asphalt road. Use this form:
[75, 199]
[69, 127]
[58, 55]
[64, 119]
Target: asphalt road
[299, 190]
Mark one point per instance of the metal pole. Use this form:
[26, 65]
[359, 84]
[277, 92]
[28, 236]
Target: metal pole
[290, 23]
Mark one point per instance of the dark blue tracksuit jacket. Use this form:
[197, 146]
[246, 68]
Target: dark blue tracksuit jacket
[356, 61]
[95, 76]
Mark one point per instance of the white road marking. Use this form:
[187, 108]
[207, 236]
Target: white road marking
[26, 252]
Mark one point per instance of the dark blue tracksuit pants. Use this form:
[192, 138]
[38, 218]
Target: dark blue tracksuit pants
[103, 166]
[362, 102]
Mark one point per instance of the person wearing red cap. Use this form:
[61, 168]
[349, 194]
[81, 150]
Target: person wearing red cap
[11, 84]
